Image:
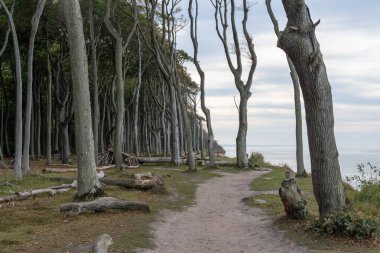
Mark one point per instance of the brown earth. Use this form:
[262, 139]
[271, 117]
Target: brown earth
[220, 222]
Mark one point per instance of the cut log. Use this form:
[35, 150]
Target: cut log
[291, 197]
[102, 244]
[155, 182]
[141, 176]
[103, 204]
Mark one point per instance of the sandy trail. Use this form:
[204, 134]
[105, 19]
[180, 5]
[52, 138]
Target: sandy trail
[220, 222]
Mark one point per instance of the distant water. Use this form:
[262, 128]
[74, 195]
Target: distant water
[349, 159]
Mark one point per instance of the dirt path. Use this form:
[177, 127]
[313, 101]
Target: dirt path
[220, 222]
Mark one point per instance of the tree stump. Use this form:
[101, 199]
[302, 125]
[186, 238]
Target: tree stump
[294, 202]
[102, 244]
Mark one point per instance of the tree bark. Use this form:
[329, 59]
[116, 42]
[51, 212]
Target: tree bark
[291, 197]
[299, 41]
[18, 130]
[49, 111]
[297, 101]
[88, 184]
[29, 97]
[95, 95]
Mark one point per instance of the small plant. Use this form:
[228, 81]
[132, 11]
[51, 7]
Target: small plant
[256, 160]
[348, 224]
[368, 182]
[366, 176]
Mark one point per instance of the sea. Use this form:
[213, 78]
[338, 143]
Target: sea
[279, 154]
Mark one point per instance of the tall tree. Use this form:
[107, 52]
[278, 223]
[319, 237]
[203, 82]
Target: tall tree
[120, 104]
[88, 184]
[297, 101]
[28, 113]
[206, 111]
[95, 96]
[221, 21]
[166, 56]
[18, 132]
[299, 41]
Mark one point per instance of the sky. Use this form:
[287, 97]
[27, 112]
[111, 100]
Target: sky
[349, 35]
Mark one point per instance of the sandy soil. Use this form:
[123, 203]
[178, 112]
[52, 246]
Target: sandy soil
[220, 222]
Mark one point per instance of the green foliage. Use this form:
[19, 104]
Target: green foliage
[368, 182]
[347, 224]
[256, 160]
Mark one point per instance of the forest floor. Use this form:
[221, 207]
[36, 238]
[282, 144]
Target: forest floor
[201, 212]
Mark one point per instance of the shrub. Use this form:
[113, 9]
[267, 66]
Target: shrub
[347, 224]
[368, 182]
[256, 160]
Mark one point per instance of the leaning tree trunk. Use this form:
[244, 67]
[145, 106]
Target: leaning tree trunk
[18, 127]
[175, 128]
[299, 41]
[88, 184]
[29, 97]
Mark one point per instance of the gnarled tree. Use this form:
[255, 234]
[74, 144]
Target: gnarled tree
[299, 42]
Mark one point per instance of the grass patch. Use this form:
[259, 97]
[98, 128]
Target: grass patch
[296, 230]
[36, 225]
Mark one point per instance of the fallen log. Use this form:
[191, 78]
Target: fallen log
[158, 160]
[291, 197]
[225, 163]
[60, 165]
[63, 170]
[25, 195]
[155, 182]
[141, 176]
[59, 170]
[51, 191]
[102, 205]
[102, 244]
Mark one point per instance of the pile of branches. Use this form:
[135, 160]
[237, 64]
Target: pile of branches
[107, 158]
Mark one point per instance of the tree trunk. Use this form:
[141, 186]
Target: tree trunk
[299, 41]
[297, 104]
[241, 139]
[95, 82]
[175, 128]
[49, 112]
[88, 184]
[136, 101]
[297, 101]
[18, 127]
[29, 97]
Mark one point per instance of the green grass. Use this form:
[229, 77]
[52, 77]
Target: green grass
[36, 225]
[296, 229]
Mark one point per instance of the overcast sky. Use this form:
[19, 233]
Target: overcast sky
[349, 35]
